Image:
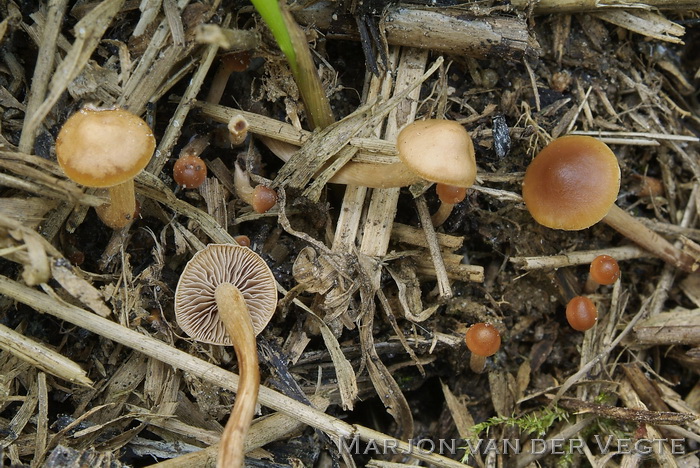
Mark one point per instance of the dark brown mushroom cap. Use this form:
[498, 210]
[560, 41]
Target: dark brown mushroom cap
[572, 183]
[195, 306]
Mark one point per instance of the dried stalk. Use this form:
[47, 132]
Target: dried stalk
[581, 257]
[443, 280]
[41, 357]
[42, 72]
[578, 6]
[263, 431]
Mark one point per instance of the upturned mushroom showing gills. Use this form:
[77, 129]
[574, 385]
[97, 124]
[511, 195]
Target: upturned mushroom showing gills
[573, 183]
[227, 295]
[106, 148]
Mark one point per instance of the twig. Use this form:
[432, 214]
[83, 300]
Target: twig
[41, 357]
[634, 135]
[578, 258]
[175, 126]
[668, 274]
[42, 72]
[568, 432]
[434, 248]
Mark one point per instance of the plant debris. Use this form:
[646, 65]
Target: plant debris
[364, 362]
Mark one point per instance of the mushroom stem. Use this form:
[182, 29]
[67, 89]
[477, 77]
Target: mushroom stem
[590, 285]
[633, 229]
[477, 363]
[122, 206]
[241, 183]
[441, 215]
[236, 318]
[354, 173]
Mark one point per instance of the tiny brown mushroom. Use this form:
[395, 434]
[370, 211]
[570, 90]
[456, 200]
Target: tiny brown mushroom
[227, 295]
[581, 313]
[483, 340]
[230, 63]
[106, 148]
[190, 170]
[261, 198]
[603, 270]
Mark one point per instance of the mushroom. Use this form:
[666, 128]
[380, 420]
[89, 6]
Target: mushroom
[226, 295]
[230, 62]
[449, 196]
[483, 340]
[604, 270]
[435, 150]
[261, 198]
[573, 183]
[190, 171]
[242, 240]
[439, 151]
[581, 313]
[106, 148]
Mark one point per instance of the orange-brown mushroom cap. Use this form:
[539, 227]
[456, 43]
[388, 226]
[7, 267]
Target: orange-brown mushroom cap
[572, 183]
[483, 339]
[581, 313]
[439, 151]
[104, 148]
[604, 270]
[195, 304]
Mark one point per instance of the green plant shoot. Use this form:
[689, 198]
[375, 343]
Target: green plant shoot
[271, 13]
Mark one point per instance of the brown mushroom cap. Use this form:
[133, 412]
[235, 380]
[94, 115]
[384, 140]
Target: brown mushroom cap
[572, 183]
[195, 305]
[104, 148]
[439, 151]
